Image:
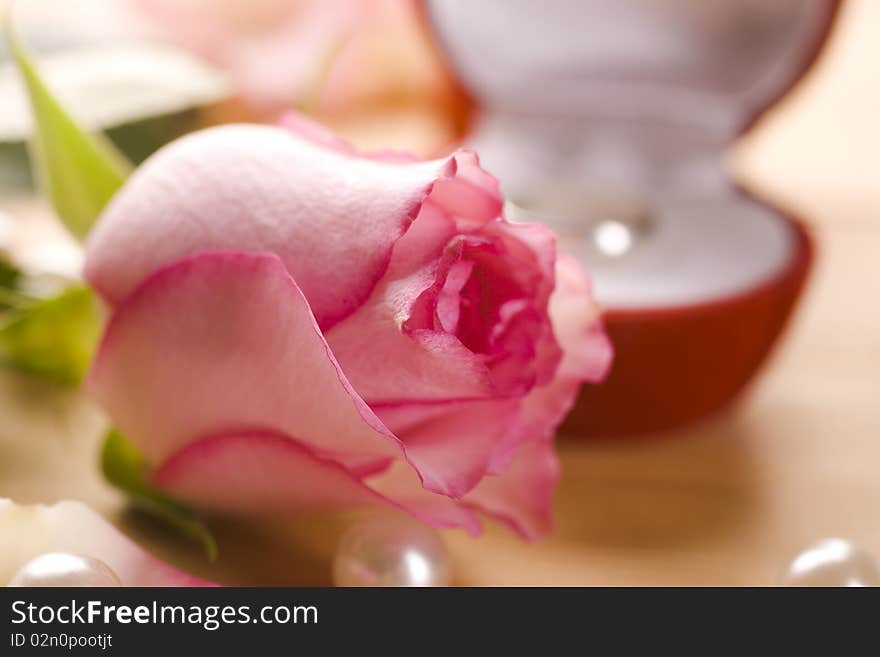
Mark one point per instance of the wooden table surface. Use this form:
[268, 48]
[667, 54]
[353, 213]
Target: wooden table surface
[728, 501]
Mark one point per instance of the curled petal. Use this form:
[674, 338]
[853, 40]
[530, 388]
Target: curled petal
[304, 127]
[525, 466]
[473, 195]
[221, 342]
[539, 414]
[73, 527]
[455, 442]
[261, 473]
[578, 326]
[419, 364]
[586, 357]
[411, 326]
[267, 473]
[522, 497]
[513, 449]
[437, 510]
[224, 343]
[286, 191]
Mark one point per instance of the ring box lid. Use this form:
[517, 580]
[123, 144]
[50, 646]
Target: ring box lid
[608, 119]
[711, 65]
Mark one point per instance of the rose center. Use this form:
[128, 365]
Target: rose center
[477, 300]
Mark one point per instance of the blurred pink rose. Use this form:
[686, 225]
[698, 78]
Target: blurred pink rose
[296, 325]
[337, 53]
[272, 49]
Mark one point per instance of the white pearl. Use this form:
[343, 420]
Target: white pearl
[391, 551]
[62, 569]
[833, 562]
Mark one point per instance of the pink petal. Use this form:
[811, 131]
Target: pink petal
[304, 127]
[267, 473]
[261, 473]
[531, 462]
[259, 188]
[522, 497]
[460, 442]
[223, 342]
[532, 249]
[578, 326]
[273, 49]
[454, 442]
[74, 528]
[473, 195]
[437, 510]
[396, 333]
[587, 357]
[539, 414]
[422, 364]
[448, 306]
[524, 350]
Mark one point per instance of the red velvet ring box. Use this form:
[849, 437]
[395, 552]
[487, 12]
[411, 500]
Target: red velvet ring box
[608, 120]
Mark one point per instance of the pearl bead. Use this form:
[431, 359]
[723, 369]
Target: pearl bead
[62, 569]
[391, 551]
[833, 562]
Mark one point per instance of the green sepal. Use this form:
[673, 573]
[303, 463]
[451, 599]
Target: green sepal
[124, 467]
[10, 276]
[79, 172]
[52, 338]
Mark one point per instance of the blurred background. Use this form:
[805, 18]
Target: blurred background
[714, 164]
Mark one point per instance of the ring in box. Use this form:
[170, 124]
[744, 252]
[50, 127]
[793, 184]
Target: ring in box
[608, 120]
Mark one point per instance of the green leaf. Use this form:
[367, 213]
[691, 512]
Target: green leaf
[125, 468]
[53, 338]
[10, 275]
[79, 172]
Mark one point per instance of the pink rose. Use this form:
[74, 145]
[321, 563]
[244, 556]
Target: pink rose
[296, 325]
[272, 49]
[277, 52]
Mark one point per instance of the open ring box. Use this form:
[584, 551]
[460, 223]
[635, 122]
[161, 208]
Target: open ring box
[608, 120]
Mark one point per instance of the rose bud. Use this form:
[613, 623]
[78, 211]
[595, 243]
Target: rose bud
[299, 326]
